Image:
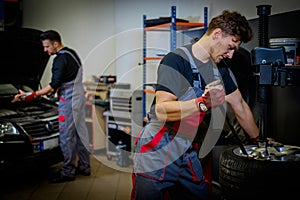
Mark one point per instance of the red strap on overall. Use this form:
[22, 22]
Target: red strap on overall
[155, 141]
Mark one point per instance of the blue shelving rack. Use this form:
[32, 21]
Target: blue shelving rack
[172, 27]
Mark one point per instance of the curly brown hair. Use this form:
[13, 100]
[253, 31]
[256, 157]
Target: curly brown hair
[232, 23]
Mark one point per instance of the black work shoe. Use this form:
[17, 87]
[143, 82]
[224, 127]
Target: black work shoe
[83, 173]
[61, 179]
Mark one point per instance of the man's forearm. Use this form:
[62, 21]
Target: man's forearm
[246, 120]
[175, 110]
[44, 91]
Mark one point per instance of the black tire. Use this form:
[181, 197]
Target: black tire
[241, 177]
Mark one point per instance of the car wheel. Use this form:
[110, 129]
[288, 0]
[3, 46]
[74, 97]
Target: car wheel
[258, 174]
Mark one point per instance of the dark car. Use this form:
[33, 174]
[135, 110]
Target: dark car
[28, 130]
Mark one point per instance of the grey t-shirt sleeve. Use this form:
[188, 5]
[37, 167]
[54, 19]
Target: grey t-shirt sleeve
[172, 74]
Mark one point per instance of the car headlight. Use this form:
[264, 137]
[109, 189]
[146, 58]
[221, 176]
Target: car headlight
[8, 128]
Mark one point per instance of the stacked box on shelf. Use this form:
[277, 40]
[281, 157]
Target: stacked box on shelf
[98, 90]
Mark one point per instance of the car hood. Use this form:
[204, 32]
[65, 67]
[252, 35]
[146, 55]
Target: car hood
[22, 57]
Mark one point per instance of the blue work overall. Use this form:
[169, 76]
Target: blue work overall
[72, 128]
[165, 155]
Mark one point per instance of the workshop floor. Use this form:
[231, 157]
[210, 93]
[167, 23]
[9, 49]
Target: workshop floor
[108, 181]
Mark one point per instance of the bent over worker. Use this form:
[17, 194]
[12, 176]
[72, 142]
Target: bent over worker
[189, 85]
[67, 82]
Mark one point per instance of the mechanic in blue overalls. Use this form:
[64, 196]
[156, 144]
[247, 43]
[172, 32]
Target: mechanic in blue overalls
[166, 161]
[67, 82]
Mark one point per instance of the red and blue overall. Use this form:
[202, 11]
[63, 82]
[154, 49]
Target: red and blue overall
[67, 78]
[166, 161]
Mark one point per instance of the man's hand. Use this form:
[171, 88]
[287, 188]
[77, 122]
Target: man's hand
[18, 97]
[214, 98]
[29, 96]
[214, 95]
[22, 96]
[217, 84]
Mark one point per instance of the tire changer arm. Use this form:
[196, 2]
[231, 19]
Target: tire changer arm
[270, 70]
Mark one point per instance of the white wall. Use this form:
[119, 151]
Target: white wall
[248, 8]
[108, 34]
[85, 25]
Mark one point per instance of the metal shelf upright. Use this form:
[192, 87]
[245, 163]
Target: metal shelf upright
[172, 27]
